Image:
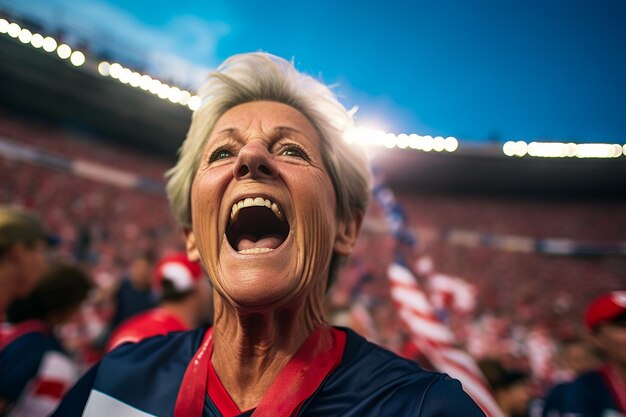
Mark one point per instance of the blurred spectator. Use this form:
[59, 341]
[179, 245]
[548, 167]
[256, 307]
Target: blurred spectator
[511, 388]
[186, 302]
[35, 371]
[23, 254]
[577, 357]
[602, 392]
[134, 294]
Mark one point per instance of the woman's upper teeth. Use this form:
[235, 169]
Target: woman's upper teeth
[255, 202]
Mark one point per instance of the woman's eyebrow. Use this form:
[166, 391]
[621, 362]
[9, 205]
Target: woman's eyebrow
[288, 129]
[233, 131]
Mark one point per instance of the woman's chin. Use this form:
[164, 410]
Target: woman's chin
[255, 290]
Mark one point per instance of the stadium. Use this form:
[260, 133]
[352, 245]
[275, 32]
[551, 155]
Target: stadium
[508, 240]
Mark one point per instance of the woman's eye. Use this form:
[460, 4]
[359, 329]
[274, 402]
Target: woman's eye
[220, 154]
[293, 151]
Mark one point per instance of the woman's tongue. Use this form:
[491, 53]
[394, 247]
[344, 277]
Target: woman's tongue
[254, 242]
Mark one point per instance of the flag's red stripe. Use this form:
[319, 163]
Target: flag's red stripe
[50, 388]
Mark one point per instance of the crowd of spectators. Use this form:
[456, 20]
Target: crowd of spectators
[526, 304]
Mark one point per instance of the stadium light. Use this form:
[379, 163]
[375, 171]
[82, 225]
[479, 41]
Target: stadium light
[438, 144]
[148, 84]
[597, 150]
[368, 137]
[562, 149]
[64, 51]
[134, 79]
[194, 103]
[451, 144]
[402, 141]
[174, 95]
[145, 82]
[548, 149]
[154, 86]
[104, 68]
[25, 36]
[185, 97]
[4, 26]
[36, 40]
[77, 58]
[14, 30]
[125, 75]
[164, 91]
[511, 148]
[49, 44]
[115, 70]
[427, 143]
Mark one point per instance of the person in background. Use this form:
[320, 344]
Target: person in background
[23, 254]
[511, 388]
[602, 392]
[185, 302]
[134, 294]
[35, 371]
[577, 357]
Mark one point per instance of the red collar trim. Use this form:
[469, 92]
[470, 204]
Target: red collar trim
[190, 400]
[300, 378]
[220, 396]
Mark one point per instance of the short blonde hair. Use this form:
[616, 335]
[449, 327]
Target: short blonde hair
[261, 76]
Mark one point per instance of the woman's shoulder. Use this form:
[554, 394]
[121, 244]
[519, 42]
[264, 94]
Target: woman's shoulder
[144, 375]
[362, 354]
[372, 380]
[169, 348]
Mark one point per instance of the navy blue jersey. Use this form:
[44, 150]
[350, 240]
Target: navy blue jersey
[20, 360]
[34, 373]
[590, 396]
[554, 401]
[142, 380]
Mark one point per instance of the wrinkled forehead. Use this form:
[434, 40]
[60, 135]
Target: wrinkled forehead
[263, 119]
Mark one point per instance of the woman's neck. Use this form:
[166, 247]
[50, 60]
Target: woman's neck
[250, 350]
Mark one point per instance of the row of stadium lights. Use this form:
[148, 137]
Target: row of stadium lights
[48, 44]
[115, 70]
[563, 150]
[359, 135]
[149, 84]
[372, 137]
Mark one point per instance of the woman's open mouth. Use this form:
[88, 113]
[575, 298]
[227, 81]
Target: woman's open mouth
[257, 225]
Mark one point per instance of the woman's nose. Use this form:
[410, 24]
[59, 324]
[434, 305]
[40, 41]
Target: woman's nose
[254, 161]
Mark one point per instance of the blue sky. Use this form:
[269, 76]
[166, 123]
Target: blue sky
[550, 70]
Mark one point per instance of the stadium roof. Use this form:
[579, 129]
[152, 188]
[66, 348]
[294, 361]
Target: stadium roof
[41, 85]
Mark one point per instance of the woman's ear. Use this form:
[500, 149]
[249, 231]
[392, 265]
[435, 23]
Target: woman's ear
[190, 242]
[347, 233]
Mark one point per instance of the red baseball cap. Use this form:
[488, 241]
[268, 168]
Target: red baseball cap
[605, 308]
[176, 268]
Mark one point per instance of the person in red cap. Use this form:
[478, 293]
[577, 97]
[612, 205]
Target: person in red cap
[185, 302]
[602, 392]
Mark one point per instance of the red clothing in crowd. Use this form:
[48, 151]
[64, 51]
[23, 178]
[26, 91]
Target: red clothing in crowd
[151, 323]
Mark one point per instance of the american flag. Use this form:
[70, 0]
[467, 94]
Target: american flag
[435, 340]
[431, 336]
